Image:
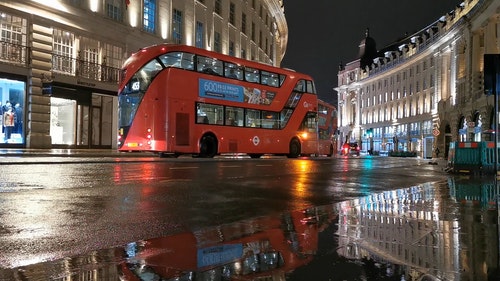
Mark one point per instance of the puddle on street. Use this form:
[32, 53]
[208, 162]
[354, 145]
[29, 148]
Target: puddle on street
[445, 231]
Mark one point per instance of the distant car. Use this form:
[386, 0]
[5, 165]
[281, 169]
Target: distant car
[351, 148]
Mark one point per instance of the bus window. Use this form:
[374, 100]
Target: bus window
[310, 87]
[300, 86]
[209, 113]
[310, 122]
[285, 116]
[209, 65]
[172, 59]
[268, 78]
[233, 71]
[282, 79]
[252, 118]
[293, 100]
[270, 120]
[234, 116]
[187, 61]
[252, 75]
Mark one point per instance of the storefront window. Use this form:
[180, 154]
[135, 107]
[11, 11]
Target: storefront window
[62, 121]
[12, 96]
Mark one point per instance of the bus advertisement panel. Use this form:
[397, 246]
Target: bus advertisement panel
[177, 99]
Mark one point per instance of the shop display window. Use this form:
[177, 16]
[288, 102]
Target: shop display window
[12, 100]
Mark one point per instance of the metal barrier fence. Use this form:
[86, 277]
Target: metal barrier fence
[473, 157]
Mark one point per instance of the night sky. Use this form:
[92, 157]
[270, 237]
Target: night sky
[324, 33]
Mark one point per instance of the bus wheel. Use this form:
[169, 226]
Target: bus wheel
[255, 155]
[208, 146]
[294, 149]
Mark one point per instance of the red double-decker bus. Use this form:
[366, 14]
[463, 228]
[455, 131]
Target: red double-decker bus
[327, 126]
[177, 99]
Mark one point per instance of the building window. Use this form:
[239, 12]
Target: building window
[13, 94]
[244, 23]
[177, 26]
[149, 15]
[253, 31]
[63, 51]
[113, 9]
[232, 12]
[199, 34]
[76, 3]
[243, 54]
[217, 7]
[231, 48]
[111, 63]
[88, 58]
[13, 32]
[217, 42]
[260, 39]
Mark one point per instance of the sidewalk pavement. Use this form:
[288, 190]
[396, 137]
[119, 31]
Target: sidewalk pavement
[31, 155]
[66, 152]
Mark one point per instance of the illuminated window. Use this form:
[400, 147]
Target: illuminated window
[63, 51]
[13, 35]
[149, 15]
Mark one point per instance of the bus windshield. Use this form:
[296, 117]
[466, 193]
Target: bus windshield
[133, 92]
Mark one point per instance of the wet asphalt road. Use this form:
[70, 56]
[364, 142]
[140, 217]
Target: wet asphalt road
[49, 210]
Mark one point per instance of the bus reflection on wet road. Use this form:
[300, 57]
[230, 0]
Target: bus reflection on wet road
[435, 231]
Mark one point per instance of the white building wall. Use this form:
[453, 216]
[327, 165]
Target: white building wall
[424, 92]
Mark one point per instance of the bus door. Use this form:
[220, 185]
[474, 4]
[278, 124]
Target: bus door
[179, 124]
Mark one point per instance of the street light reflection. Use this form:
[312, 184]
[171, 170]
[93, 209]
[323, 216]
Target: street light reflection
[301, 169]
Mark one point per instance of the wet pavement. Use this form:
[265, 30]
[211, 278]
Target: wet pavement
[436, 231]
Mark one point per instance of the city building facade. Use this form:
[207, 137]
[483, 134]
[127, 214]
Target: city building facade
[60, 60]
[424, 91]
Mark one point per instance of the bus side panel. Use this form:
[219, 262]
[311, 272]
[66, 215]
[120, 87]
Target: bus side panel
[183, 137]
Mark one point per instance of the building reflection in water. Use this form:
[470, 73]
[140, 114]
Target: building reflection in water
[436, 231]
[443, 232]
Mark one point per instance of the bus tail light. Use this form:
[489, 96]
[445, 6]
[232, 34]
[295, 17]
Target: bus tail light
[304, 135]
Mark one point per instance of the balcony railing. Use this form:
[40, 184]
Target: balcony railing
[19, 54]
[85, 69]
[13, 53]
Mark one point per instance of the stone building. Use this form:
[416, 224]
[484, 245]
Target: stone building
[425, 90]
[60, 60]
